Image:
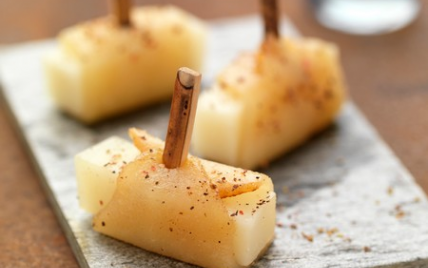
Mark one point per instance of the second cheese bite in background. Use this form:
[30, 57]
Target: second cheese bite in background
[269, 101]
[109, 65]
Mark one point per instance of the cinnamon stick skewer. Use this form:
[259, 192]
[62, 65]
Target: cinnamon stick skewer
[121, 10]
[182, 117]
[270, 18]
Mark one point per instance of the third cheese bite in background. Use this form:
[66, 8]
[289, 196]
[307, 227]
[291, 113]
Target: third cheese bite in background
[269, 101]
[106, 67]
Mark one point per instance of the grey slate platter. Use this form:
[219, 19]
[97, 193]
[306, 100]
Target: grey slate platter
[344, 200]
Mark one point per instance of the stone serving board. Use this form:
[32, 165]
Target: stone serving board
[344, 199]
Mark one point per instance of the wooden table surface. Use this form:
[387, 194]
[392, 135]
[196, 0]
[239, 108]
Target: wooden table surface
[387, 77]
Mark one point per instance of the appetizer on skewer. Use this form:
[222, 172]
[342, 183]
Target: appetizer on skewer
[153, 195]
[116, 64]
[269, 101]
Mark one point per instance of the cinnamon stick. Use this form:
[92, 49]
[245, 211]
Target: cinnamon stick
[121, 10]
[270, 18]
[182, 117]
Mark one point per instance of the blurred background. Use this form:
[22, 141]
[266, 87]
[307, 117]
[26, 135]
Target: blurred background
[34, 19]
[26, 20]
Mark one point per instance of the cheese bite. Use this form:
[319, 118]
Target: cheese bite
[101, 69]
[202, 212]
[268, 102]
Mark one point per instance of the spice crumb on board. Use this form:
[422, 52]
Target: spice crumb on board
[390, 191]
[340, 235]
[293, 226]
[400, 214]
[280, 208]
[367, 249]
[308, 237]
[332, 231]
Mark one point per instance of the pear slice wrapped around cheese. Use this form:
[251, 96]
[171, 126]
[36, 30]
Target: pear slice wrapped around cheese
[101, 69]
[202, 212]
[269, 101]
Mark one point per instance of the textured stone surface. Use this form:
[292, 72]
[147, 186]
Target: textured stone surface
[344, 200]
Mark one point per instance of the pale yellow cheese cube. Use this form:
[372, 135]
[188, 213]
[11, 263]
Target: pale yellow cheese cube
[97, 169]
